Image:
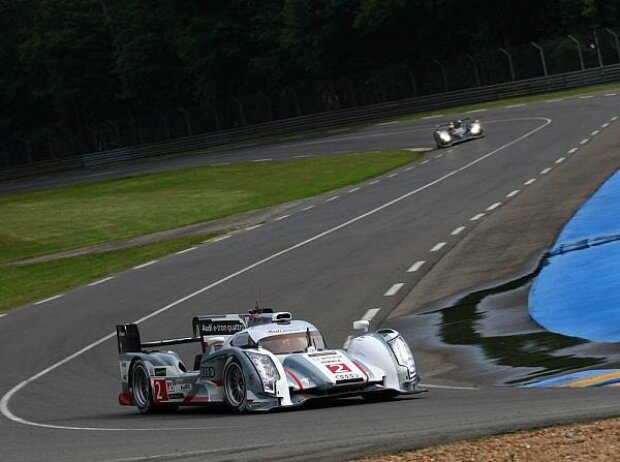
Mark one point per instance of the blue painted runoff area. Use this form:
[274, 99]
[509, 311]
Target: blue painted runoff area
[577, 292]
[583, 379]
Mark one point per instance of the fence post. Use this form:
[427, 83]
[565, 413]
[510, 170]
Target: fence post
[542, 58]
[443, 74]
[615, 36]
[476, 72]
[583, 68]
[510, 64]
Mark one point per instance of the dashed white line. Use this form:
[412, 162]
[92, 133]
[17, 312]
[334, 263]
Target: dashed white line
[6, 398]
[584, 141]
[2, 315]
[545, 171]
[477, 217]
[438, 156]
[614, 118]
[353, 190]
[333, 198]
[394, 289]
[218, 239]
[573, 151]
[374, 181]
[370, 314]
[586, 97]
[595, 132]
[438, 246]
[424, 162]
[557, 100]
[267, 159]
[55, 297]
[493, 206]
[419, 149]
[515, 105]
[476, 110]
[144, 265]
[101, 281]
[392, 175]
[611, 94]
[408, 169]
[303, 156]
[310, 207]
[387, 123]
[181, 252]
[605, 125]
[560, 160]
[529, 182]
[457, 231]
[432, 117]
[281, 218]
[416, 266]
[250, 228]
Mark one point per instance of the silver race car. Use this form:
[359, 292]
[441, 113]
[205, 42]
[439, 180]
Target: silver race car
[458, 132]
[261, 361]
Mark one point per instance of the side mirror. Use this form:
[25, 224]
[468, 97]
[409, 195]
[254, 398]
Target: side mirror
[362, 324]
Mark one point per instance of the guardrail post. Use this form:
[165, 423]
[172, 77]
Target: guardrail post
[475, 66]
[444, 76]
[542, 58]
[578, 51]
[510, 64]
[615, 36]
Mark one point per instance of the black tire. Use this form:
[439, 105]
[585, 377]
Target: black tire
[235, 387]
[379, 396]
[141, 390]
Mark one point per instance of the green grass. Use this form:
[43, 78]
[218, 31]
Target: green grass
[25, 283]
[57, 219]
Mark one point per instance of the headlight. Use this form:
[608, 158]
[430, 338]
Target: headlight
[444, 136]
[475, 129]
[403, 353]
[266, 370]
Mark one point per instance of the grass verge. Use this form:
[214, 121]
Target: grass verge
[62, 218]
[24, 283]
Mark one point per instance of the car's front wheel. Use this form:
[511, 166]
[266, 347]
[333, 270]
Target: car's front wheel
[235, 387]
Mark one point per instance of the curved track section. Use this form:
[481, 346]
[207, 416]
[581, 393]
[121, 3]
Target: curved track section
[328, 262]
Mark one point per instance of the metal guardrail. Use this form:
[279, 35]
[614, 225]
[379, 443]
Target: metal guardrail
[323, 120]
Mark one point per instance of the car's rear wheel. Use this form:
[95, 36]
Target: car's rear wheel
[141, 388]
[235, 387]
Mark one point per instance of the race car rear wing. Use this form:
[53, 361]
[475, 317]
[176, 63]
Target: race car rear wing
[128, 339]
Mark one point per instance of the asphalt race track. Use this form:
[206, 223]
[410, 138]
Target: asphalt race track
[328, 262]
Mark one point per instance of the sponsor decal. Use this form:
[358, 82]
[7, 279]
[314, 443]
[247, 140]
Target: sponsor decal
[226, 327]
[160, 372]
[208, 372]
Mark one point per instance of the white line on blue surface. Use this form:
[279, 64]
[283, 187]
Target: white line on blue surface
[55, 297]
[144, 265]
[513, 193]
[457, 231]
[101, 281]
[282, 217]
[477, 217]
[394, 289]
[493, 206]
[438, 247]
[530, 181]
[416, 266]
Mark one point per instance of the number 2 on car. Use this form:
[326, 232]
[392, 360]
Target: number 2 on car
[338, 368]
[161, 392]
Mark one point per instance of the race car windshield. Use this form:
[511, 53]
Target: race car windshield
[292, 343]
